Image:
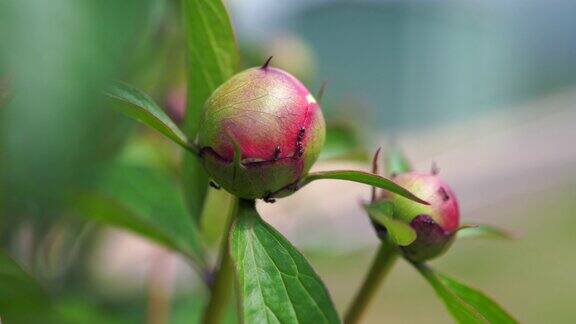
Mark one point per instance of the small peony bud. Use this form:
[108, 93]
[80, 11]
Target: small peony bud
[435, 224]
[276, 124]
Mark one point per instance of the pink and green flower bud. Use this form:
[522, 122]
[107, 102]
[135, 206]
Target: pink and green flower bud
[435, 224]
[273, 120]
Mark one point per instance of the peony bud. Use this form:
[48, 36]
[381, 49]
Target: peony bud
[274, 122]
[435, 224]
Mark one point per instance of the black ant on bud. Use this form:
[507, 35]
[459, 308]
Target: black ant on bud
[299, 149]
[301, 133]
[269, 199]
[214, 185]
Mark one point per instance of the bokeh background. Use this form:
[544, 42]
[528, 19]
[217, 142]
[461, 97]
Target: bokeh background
[484, 88]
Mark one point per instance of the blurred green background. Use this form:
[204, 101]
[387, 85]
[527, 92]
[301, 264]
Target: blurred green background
[486, 89]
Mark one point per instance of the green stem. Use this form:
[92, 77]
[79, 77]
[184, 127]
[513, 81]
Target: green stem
[223, 285]
[381, 265]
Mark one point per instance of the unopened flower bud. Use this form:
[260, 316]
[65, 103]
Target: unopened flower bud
[274, 122]
[435, 224]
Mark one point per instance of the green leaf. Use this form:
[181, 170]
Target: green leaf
[144, 201]
[212, 54]
[465, 304]
[142, 108]
[484, 231]
[58, 99]
[399, 232]
[276, 283]
[212, 59]
[22, 300]
[362, 177]
[396, 162]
